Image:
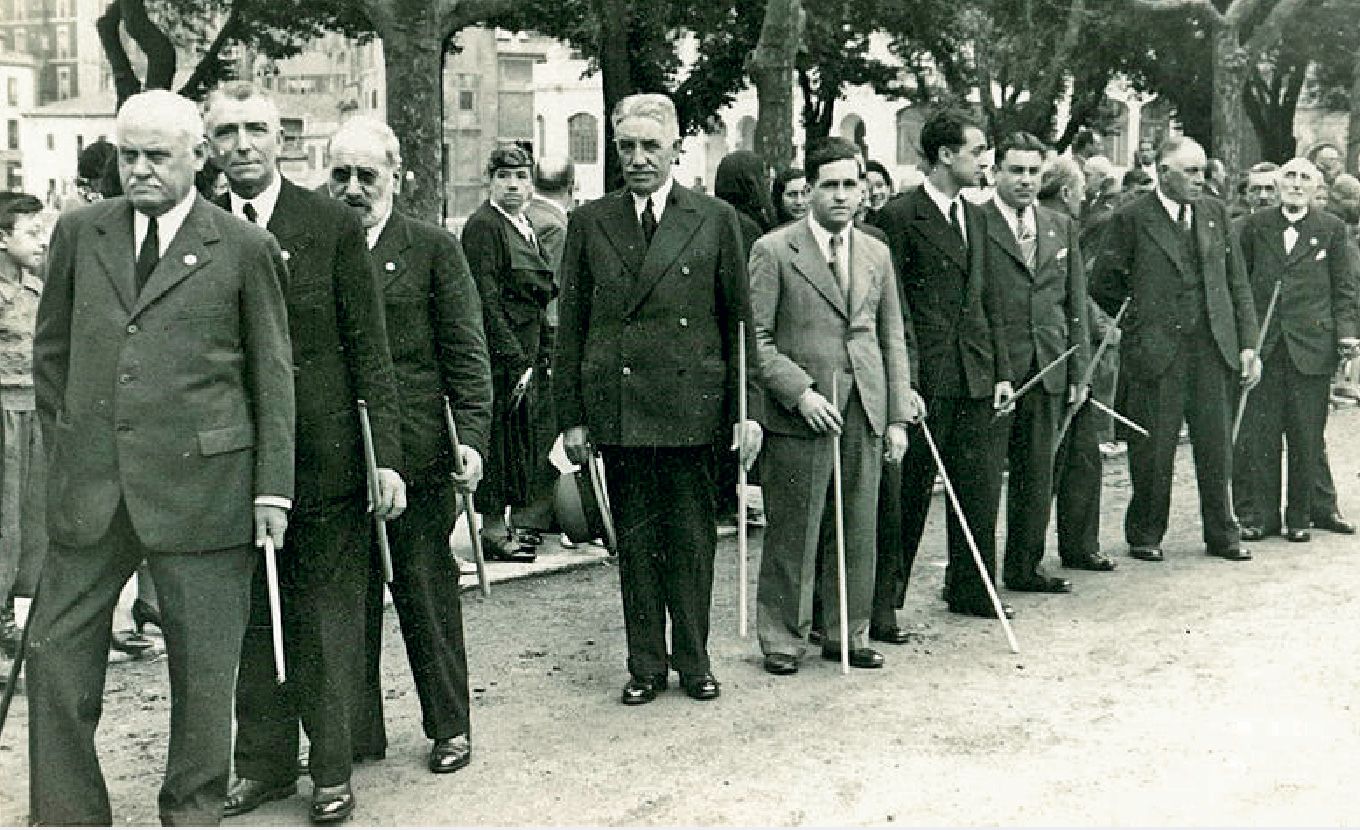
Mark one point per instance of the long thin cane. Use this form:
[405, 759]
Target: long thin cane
[271, 579]
[14, 669]
[741, 483]
[1038, 376]
[1091, 368]
[1260, 342]
[371, 461]
[972, 543]
[838, 495]
[469, 511]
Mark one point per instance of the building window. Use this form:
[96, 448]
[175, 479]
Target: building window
[467, 100]
[51, 141]
[80, 144]
[63, 82]
[373, 99]
[583, 139]
[12, 90]
[13, 134]
[16, 176]
[63, 42]
[20, 41]
[517, 71]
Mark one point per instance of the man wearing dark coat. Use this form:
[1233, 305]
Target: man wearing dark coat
[1190, 333]
[340, 356]
[653, 292]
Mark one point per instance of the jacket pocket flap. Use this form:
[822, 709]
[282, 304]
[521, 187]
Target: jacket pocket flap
[225, 439]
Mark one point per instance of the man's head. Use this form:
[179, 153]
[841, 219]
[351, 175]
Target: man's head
[1137, 180]
[1180, 169]
[160, 149]
[23, 232]
[1343, 198]
[510, 171]
[953, 146]
[246, 137]
[1216, 177]
[879, 183]
[1063, 184]
[1019, 169]
[1097, 170]
[1328, 159]
[555, 178]
[1262, 189]
[647, 137]
[1298, 181]
[1147, 152]
[365, 167]
[1087, 144]
[833, 174]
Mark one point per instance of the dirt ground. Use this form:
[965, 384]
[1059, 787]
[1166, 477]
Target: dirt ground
[1190, 692]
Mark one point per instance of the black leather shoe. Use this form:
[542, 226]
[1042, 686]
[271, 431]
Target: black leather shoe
[331, 805]
[1236, 554]
[860, 658]
[1039, 584]
[450, 754]
[1252, 533]
[143, 613]
[246, 794]
[1293, 534]
[1146, 554]
[1336, 523]
[781, 663]
[984, 611]
[700, 686]
[893, 635]
[130, 642]
[641, 690]
[1090, 562]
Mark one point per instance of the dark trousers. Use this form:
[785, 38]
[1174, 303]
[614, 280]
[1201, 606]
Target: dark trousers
[964, 429]
[1323, 503]
[1079, 471]
[1026, 438]
[798, 560]
[1289, 406]
[1198, 389]
[323, 641]
[203, 602]
[425, 592]
[663, 504]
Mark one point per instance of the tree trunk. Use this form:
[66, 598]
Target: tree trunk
[616, 76]
[159, 50]
[1353, 123]
[1229, 79]
[125, 81]
[771, 70]
[413, 53]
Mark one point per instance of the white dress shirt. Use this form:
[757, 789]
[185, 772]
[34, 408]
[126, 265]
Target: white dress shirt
[1291, 233]
[167, 224]
[841, 254]
[263, 202]
[519, 222]
[943, 202]
[1173, 209]
[659, 199]
[375, 233]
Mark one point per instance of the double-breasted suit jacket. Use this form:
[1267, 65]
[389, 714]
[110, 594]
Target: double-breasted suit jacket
[174, 400]
[1317, 305]
[1142, 257]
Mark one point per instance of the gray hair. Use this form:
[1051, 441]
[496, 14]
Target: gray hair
[1062, 171]
[163, 108]
[651, 105]
[1174, 144]
[240, 91]
[368, 132]
[554, 175]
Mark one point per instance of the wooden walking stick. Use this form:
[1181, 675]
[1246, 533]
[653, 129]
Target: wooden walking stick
[271, 581]
[1091, 368]
[469, 511]
[838, 498]
[1260, 342]
[1038, 376]
[13, 682]
[972, 543]
[741, 483]
[371, 461]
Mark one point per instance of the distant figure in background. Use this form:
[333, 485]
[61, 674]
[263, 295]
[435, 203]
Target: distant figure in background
[741, 182]
[1145, 158]
[1102, 191]
[1262, 190]
[211, 181]
[880, 188]
[1137, 182]
[1329, 160]
[1343, 201]
[516, 283]
[790, 196]
[1216, 179]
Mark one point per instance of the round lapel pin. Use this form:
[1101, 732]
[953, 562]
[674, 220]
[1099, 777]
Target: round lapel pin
[190, 260]
[391, 266]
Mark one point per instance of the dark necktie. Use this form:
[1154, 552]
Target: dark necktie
[149, 255]
[648, 222]
[252, 215]
[1187, 231]
[956, 224]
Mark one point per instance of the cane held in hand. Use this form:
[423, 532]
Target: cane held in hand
[469, 510]
[374, 493]
[838, 496]
[741, 482]
[1260, 342]
[1091, 368]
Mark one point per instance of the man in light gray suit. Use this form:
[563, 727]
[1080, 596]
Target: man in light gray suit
[825, 305]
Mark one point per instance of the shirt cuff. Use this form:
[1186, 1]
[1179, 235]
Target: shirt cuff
[274, 501]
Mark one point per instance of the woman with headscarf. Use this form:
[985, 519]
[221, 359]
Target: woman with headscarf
[741, 183]
[790, 196]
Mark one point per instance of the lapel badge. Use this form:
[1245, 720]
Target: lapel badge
[190, 260]
[1313, 241]
[390, 266]
[684, 269]
[1211, 223]
[1051, 234]
[286, 256]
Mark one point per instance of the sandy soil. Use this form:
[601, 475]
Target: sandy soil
[1191, 692]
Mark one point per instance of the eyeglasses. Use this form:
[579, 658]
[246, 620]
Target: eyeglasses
[367, 176]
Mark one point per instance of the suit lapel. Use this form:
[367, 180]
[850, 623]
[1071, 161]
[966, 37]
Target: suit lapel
[1000, 232]
[1307, 243]
[1049, 242]
[118, 254]
[189, 251]
[808, 261]
[974, 265]
[389, 255]
[935, 227]
[621, 228]
[678, 223]
[1164, 231]
[863, 274]
[288, 223]
[1207, 233]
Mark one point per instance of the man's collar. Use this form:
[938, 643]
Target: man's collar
[375, 233]
[1171, 206]
[1010, 214]
[659, 198]
[515, 218]
[31, 281]
[938, 197]
[264, 201]
[823, 234]
[168, 223]
[1293, 214]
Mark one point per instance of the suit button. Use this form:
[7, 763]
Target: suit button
[125, 378]
[123, 426]
[684, 321]
[627, 371]
[132, 328]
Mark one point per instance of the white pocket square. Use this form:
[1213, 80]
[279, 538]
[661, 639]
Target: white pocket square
[1321, 255]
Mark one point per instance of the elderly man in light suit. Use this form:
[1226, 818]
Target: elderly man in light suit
[832, 359]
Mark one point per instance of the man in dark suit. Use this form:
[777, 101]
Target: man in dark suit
[340, 355]
[1033, 257]
[959, 363]
[1305, 250]
[165, 394]
[653, 290]
[434, 322]
[1189, 331]
[826, 307]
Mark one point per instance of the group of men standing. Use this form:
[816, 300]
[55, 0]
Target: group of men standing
[197, 368]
